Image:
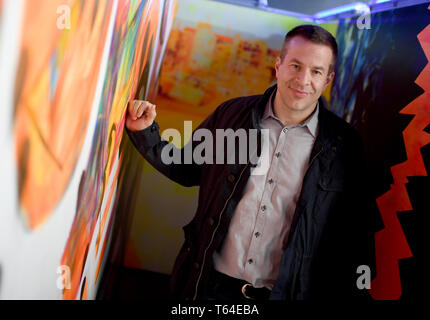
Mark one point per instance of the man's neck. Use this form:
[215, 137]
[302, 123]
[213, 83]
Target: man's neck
[287, 116]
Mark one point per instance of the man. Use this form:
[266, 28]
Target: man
[302, 228]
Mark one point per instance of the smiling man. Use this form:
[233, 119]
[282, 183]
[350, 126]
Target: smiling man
[303, 71]
[299, 230]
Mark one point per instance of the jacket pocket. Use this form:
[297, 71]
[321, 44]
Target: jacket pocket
[335, 184]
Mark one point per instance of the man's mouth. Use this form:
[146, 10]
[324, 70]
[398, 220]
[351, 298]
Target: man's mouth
[299, 93]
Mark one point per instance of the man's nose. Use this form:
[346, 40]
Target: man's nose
[303, 77]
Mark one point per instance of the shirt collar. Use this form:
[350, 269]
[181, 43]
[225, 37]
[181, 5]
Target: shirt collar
[311, 122]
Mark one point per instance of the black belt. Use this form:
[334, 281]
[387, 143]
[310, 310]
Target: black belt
[238, 285]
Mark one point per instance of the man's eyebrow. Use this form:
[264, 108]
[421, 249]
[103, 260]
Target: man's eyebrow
[318, 68]
[296, 61]
[315, 67]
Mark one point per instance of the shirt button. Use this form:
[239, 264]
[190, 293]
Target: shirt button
[285, 130]
[270, 180]
[278, 154]
[211, 221]
[257, 234]
[196, 265]
[263, 207]
[231, 178]
[250, 261]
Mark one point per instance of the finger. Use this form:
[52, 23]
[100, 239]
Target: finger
[140, 110]
[146, 108]
[130, 108]
[137, 105]
[150, 113]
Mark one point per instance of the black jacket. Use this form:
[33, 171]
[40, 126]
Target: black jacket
[333, 227]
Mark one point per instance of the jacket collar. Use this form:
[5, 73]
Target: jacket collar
[326, 132]
[260, 107]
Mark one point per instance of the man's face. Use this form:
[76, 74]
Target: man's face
[303, 74]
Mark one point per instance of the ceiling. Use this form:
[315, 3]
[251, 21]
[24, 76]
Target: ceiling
[306, 6]
[323, 10]
[309, 8]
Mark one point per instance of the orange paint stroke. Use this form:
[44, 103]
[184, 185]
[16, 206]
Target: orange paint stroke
[391, 243]
[56, 83]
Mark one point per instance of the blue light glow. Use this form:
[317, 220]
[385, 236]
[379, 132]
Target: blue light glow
[355, 7]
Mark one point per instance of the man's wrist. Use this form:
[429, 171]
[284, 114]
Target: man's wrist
[145, 138]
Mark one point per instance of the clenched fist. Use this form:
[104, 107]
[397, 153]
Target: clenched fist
[140, 115]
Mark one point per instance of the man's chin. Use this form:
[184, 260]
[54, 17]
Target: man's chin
[300, 107]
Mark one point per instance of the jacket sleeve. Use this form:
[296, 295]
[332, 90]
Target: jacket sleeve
[150, 145]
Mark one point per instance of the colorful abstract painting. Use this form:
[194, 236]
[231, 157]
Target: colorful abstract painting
[133, 55]
[382, 88]
[55, 85]
[78, 65]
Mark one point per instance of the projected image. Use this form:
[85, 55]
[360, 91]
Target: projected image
[218, 54]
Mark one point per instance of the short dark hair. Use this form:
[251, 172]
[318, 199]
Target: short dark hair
[315, 34]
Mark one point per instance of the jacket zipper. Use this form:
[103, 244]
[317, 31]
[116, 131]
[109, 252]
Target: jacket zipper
[216, 228]
[219, 220]
[310, 163]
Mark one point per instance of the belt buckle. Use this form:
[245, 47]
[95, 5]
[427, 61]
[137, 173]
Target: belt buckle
[244, 291]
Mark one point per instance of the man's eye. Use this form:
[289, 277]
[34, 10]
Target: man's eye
[317, 72]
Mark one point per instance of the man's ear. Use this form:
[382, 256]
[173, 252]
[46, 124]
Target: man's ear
[277, 64]
[329, 78]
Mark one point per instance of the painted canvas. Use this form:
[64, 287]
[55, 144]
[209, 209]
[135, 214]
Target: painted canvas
[132, 60]
[75, 65]
[382, 88]
[55, 86]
